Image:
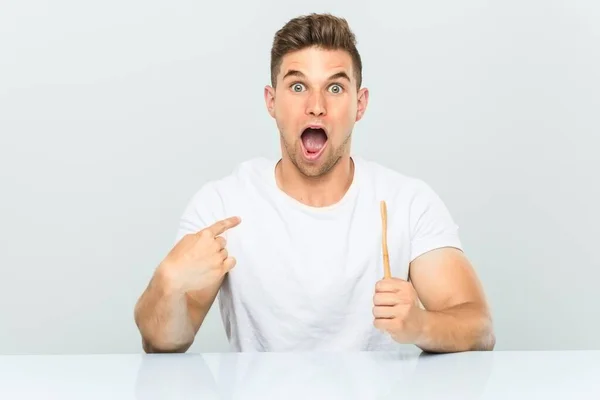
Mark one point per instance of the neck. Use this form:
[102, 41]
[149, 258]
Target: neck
[320, 191]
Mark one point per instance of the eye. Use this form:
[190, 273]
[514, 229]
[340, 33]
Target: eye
[336, 88]
[297, 87]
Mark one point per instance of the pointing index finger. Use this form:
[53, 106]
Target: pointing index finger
[221, 226]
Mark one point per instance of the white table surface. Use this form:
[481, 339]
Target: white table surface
[287, 376]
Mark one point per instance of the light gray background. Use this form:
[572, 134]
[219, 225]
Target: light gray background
[113, 113]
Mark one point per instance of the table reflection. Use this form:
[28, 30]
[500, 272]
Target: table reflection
[364, 375]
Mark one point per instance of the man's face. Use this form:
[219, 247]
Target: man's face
[315, 105]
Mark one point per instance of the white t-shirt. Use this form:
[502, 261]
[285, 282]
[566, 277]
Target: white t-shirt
[305, 277]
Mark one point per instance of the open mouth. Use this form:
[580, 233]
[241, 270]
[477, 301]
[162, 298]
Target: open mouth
[314, 141]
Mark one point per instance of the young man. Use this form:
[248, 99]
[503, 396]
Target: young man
[305, 233]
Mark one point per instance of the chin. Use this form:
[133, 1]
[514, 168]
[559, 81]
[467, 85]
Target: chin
[312, 171]
[314, 168]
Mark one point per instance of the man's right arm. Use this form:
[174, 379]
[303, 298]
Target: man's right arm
[169, 320]
[171, 310]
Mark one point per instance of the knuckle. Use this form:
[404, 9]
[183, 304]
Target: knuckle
[226, 224]
[205, 234]
[188, 236]
[218, 260]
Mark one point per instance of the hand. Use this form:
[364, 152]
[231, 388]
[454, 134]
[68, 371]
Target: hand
[199, 259]
[396, 310]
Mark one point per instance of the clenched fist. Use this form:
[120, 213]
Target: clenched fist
[396, 310]
[199, 259]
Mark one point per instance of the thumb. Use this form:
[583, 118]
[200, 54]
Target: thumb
[390, 284]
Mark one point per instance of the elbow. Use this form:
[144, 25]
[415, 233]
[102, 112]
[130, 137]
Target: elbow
[490, 340]
[486, 340]
[153, 342]
[164, 348]
[486, 343]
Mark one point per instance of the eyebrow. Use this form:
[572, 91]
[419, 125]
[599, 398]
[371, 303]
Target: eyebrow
[299, 74]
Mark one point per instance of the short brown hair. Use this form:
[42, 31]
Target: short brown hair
[321, 30]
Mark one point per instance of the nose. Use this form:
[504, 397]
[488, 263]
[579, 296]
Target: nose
[316, 104]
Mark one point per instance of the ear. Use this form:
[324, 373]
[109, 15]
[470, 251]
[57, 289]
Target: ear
[270, 100]
[362, 100]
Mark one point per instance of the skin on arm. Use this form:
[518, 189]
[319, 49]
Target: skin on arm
[171, 310]
[457, 316]
[169, 320]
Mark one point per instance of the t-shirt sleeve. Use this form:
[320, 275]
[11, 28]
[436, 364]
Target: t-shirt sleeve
[204, 209]
[431, 223]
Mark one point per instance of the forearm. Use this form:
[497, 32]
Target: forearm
[166, 318]
[466, 327]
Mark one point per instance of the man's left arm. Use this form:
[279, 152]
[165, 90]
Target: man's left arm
[455, 317]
